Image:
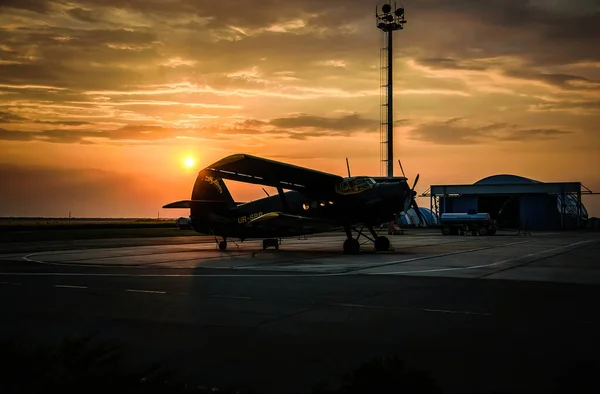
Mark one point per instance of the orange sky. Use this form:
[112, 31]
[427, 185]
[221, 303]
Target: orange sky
[101, 101]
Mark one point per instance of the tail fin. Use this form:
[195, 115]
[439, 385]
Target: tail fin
[209, 188]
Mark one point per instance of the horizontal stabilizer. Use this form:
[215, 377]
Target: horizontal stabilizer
[188, 203]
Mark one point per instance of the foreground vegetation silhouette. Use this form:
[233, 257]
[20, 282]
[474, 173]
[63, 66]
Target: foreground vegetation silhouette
[82, 365]
[383, 375]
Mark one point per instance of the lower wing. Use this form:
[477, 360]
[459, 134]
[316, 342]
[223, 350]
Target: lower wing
[287, 221]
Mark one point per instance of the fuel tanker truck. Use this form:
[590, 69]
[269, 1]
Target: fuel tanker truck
[467, 223]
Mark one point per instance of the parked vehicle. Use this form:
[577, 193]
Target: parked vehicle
[183, 223]
[467, 223]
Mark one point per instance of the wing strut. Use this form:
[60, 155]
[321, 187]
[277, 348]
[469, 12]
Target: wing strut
[284, 202]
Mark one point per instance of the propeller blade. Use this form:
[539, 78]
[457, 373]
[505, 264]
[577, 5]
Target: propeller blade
[407, 203]
[418, 212]
[415, 184]
[401, 169]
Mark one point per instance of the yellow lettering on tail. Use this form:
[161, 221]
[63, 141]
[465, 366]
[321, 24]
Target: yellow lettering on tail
[214, 182]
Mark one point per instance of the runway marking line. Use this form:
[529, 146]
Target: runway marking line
[146, 291]
[410, 309]
[378, 265]
[223, 256]
[299, 275]
[10, 283]
[70, 287]
[484, 265]
[231, 297]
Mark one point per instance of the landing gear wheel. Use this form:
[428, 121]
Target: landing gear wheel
[382, 244]
[223, 245]
[351, 246]
[446, 230]
[274, 242]
[482, 231]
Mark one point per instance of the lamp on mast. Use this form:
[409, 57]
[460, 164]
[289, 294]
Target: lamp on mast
[389, 17]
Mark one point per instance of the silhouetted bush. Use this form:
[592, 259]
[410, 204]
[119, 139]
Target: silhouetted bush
[81, 366]
[384, 376]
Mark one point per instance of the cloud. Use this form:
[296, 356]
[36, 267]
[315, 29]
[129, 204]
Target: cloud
[9, 135]
[37, 6]
[105, 68]
[63, 122]
[129, 132]
[455, 131]
[345, 123]
[532, 134]
[450, 63]
[83, 15]
[297, 127]
[564, 81]
[569, 106]
[9, 117]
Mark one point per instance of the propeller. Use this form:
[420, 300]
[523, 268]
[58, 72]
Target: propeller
[412, 202]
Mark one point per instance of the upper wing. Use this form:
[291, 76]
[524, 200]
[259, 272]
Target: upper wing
[287, 221]
[380, 179]
[252, 169]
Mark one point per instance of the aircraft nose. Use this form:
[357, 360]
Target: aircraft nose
[391, 190]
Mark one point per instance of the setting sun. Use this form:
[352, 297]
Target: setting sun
[189, 162]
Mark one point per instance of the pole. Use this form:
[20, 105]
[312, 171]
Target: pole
[579, 209]
[390, 107]
[390, 120]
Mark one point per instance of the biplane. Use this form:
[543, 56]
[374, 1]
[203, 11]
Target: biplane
[307, 202]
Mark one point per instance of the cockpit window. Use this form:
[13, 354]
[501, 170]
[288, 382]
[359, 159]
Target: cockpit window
[355, 185]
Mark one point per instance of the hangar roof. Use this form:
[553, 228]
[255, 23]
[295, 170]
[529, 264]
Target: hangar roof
[503, 179]
[507, 184]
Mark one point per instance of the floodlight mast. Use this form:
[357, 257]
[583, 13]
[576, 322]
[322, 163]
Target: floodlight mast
[389, 17]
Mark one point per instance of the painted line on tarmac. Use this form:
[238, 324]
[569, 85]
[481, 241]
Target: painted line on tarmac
[436, 256]
[298, 275]
[222, 255]
[70, 287]
[117, 275]
[411, 309]
[231, 297]
[32, 260]
[484, 265]
[10, 283]
[315, 274]
[146, 291]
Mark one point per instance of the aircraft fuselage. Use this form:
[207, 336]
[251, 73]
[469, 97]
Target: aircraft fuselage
[372, 206]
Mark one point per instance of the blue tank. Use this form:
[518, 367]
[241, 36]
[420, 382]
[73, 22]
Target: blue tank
[448, 218]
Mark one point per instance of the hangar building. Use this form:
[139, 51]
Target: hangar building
[410, 218]
[515, 202]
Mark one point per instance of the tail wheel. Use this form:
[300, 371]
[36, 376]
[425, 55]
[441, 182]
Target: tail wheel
[351, 246]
